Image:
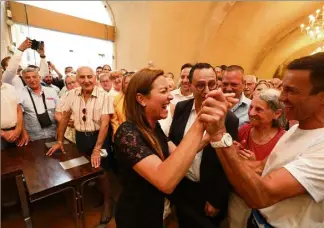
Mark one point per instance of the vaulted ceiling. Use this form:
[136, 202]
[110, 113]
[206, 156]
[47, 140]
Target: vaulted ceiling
[257, 35]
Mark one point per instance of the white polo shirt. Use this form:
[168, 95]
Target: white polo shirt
[9, 101]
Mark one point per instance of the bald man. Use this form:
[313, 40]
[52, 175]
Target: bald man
[91, 107]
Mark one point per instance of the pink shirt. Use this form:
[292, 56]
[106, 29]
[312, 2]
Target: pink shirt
[261, 151]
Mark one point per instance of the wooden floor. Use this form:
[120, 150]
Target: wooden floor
[56, 212]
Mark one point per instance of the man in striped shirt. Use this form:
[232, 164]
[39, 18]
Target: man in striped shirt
[91, 107]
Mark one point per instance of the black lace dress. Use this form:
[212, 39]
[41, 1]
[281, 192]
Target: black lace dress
[140, 204]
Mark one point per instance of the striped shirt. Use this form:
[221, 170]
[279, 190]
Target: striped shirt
[87, 115]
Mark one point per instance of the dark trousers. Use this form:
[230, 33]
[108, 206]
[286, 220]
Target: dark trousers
[190, 206]
[86, 141]
[4, 143]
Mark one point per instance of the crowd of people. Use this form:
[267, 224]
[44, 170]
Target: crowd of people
[221, 145]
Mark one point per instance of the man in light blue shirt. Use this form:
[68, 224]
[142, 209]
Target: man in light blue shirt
[34, 130]
[233, 82]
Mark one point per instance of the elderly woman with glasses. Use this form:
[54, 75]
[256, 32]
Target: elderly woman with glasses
[257, 139]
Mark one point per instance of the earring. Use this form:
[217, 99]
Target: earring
[144, 105]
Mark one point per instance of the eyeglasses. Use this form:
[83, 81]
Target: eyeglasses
[201, 86]
[84, 117]
[113, 78]
[71, 83]
[105, 81]
[128, 73]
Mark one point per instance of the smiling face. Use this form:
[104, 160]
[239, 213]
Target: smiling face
[86, 79]
[203, 81]
[32, 79]
[299, 104]
[184, 77]
[116, 77]
[157, 101]
[233, 83]
[48, 79]
[261, 114]
[71, 83]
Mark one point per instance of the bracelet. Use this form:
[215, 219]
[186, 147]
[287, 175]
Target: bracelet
[60, 142]
[43, 56]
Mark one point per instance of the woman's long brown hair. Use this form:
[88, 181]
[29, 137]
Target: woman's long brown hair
[141, 82]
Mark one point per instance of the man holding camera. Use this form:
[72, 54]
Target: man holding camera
[12, 64]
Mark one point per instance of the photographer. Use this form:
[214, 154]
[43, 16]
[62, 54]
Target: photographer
[58, 78]
[10, 75]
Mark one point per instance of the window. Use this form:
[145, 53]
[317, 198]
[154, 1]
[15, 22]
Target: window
[64, 49]
[89, 10]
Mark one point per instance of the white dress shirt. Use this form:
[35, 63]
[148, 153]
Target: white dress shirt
[166, 123]
[9, 101]
[194, 170]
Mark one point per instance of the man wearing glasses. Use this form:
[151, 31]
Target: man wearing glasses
[105, 82]
[201, 197]
[91, 107]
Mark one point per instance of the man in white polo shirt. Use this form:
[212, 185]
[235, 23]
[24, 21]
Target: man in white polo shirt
[290, 191]
[184, 92]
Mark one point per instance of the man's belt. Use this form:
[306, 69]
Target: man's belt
[8, 129]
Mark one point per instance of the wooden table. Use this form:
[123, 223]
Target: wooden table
[43, 176]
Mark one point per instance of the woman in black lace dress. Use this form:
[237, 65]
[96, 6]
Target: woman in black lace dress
[150, 166]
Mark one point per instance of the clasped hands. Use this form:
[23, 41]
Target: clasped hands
[213, 112]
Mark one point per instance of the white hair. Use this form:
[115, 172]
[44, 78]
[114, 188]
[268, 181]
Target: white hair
[271, 97]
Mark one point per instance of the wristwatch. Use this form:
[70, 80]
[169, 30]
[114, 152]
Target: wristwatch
[226, 141]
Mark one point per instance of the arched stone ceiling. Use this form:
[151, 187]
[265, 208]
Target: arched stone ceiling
[257, 35]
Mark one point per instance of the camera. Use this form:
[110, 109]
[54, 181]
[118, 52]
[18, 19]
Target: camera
[36, 45]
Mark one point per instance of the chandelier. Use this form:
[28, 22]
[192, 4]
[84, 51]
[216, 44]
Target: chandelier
[315, 27]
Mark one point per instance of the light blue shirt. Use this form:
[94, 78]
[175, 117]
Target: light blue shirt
[32, 125]
[241, 110]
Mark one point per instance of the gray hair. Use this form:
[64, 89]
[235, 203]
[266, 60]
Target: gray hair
[104, 74]
[253, 77]
[271, 97]
[69, 75]
[29, 69]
